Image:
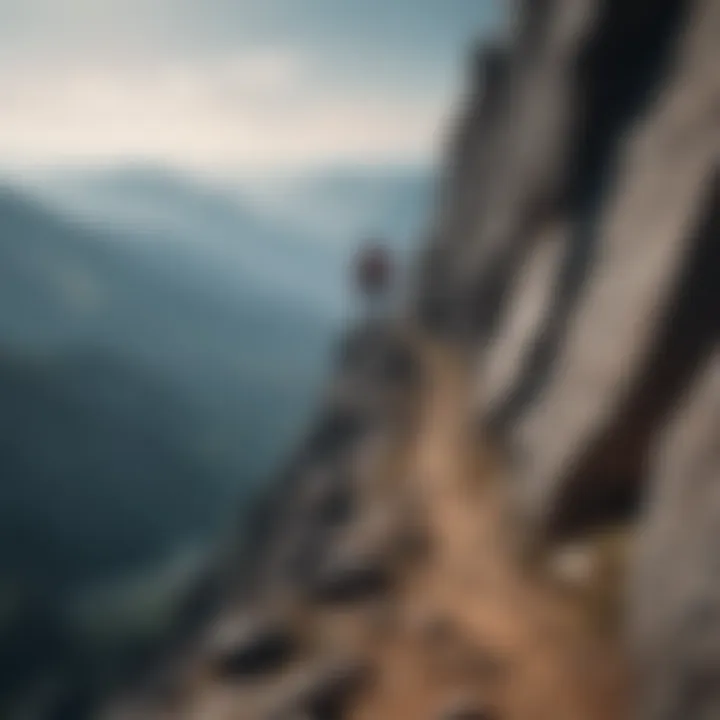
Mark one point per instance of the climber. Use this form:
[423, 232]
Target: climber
[373, 277]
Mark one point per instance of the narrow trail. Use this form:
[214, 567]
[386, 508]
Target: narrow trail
[463, 631]
[481, 634]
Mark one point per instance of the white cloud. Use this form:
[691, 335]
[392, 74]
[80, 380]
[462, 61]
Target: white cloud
[263, 107]
[262, 69]
[224, 83]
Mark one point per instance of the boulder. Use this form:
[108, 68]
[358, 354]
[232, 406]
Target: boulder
[320, 690]
[350, 575]
[248, 646]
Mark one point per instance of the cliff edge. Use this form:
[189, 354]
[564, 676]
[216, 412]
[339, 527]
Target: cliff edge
[508, 505]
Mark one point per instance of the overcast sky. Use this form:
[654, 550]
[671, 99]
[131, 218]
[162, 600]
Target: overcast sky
[214, 84]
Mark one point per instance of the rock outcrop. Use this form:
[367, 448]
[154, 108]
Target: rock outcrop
[674, 591]
[579, 255]
[579, 259]
[556, 381]
[382, 581]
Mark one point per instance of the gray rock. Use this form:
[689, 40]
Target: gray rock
[249, 646]
[321, 691]
[675, 578]
[467, 709]
[289, 715]
[378, 351]
[580, 273]
[345, 577]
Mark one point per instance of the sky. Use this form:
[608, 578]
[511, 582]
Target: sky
[226, 84]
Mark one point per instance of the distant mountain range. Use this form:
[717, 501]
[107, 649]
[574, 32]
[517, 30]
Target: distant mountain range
[134, 298]
[345, 205]
[99, 319]
[162, 343]
[101, 468]
[293, 234]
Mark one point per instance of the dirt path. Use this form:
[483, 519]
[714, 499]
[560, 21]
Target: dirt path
[462, 632]
[475, 631]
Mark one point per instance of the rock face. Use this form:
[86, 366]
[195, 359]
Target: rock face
[568, 304]
[576, 245]
[254, 646]
[576, 259]
[326, 541]
[379, 583]
[674, 593]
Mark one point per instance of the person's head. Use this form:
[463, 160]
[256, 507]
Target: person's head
[373, 269]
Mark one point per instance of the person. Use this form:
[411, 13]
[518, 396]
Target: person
[373, 276]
